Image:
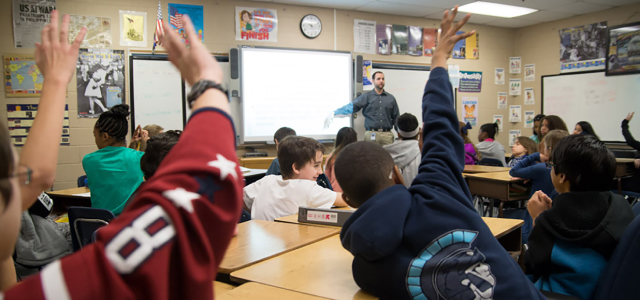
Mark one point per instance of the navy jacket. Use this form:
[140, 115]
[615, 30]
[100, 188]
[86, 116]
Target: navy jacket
[531, 168]
[428, 242]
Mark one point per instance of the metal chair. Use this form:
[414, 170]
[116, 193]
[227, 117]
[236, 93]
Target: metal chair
[84, 221]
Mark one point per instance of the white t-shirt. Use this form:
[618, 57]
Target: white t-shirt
[272, 197]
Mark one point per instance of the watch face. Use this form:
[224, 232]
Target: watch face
[311, 26]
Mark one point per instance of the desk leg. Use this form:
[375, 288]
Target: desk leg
[500, 206]
[491, 207]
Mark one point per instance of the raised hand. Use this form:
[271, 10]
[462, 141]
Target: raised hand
[195, 63]
[449, 37]
[55, 57]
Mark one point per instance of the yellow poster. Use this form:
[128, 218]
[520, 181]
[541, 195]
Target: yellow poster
[133, 29]
[473, 47]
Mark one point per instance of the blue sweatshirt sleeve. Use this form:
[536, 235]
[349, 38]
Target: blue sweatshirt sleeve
[443, 149]
[525, 169]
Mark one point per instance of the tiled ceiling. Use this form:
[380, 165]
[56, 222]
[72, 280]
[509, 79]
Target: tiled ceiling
[549, 10]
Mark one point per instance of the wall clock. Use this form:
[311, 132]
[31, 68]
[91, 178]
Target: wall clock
[311, 26]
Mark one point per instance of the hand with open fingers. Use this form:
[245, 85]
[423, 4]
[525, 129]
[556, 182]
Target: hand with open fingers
[55, 57]
[328, 120]
[449, 37]
[196, 62]
[629, 116]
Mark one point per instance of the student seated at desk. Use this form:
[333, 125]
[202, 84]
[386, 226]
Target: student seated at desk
[113, 172]
[523, 147]
[276, 196]
[283, 132]
[428, 241]
[573, 239]
[471, 154]
[169, 243]
[345, 136]
[488, 146]
[406, 150]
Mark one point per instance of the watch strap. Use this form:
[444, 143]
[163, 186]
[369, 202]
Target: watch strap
[202, 86]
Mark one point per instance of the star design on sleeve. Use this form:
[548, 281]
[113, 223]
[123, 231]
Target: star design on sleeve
[207, 186]
[225, 166]
[181, 198]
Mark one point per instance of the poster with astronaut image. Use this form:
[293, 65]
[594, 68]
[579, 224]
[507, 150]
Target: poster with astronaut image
[100, 81]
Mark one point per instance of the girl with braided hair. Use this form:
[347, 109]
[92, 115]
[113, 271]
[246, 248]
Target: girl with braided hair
[113, 172]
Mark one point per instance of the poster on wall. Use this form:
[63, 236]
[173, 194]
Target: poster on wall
[367, 81]
[473, 47]
[364, 36]
[515, 86]
[513, 136]
[502, 100]
[29, 17]
[498, 119]
[530, 72]
[470, 112]
[429, 42]
[133, 28]
[400, 42]
[470, 82]
[515, 113]
[383, 39]
[529, 115]
[583, 48]
[415, 41]
[98, 31]
[100, 81]
[529, 98]
[195, 13]
[623, 55]
[499, 76]
[20, 119]
[22, 78]
[515, 64]
[459, 49]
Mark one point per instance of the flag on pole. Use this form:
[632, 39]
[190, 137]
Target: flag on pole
[159, 29]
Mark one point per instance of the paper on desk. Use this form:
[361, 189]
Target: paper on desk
[244, 170]
[87, 194]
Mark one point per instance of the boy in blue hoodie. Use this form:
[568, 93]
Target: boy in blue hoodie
[427, 242]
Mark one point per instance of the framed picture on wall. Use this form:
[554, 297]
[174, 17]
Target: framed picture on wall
[623, 53]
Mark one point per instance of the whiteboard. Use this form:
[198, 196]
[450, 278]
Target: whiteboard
[603, 101]
[406, 85]
[156, 92]
[293, 88]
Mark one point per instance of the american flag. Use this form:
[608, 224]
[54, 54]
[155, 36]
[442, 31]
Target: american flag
[176, 20]
[159, 28]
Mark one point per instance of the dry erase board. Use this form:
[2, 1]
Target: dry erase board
[158, 93]
[603, 101]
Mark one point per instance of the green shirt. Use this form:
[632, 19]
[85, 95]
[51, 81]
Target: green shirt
[113, 174]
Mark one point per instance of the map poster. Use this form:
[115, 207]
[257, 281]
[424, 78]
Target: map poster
[100, 81]
[195, 13]
[29, 17]
[20, 119]
[499, 120]
[133, 29]
[98, 31]
[22, 78]
[513, 136]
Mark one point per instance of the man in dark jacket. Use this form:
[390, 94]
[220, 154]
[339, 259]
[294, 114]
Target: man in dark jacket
[427, 242]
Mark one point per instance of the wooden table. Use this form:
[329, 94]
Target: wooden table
[321, 269]
[496, 185]
[221, 288]
[263, 162]
[252, 290]
[508, 232]
[483, 169]
[624, 167]
[62, 199]
[293, 219]
[258, 240]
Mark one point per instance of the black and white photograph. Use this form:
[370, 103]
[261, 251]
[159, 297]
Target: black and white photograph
[583, 43]
[100, 81]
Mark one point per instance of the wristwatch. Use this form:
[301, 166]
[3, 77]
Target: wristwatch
[200, 87]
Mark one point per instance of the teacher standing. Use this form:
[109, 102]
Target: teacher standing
[380, 111]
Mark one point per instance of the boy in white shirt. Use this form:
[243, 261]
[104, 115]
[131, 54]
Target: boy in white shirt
[276, 196]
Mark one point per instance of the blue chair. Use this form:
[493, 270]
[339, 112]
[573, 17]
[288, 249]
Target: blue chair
[245, 216]
[490, 162]
[619, 279]
[81, 180]
[84, 221]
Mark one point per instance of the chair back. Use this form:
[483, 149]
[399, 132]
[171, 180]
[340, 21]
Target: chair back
[84, 221]
[619, 279]
[81, 180]
[245, 216]
[490, 162]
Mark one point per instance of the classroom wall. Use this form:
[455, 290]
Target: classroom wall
[496, 45]
[540, 44]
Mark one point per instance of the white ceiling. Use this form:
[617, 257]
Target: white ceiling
[549, 10]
